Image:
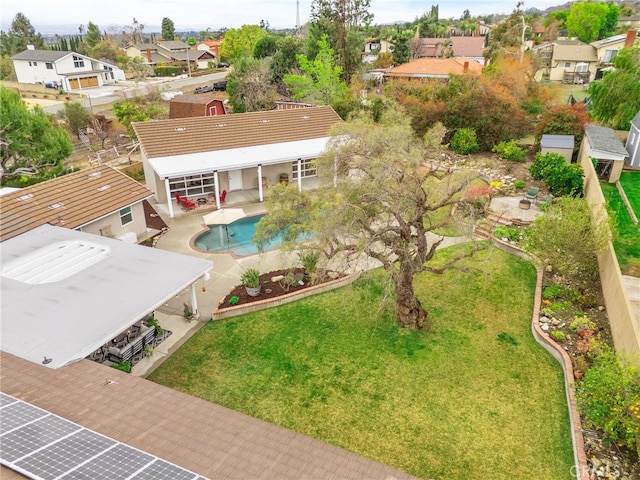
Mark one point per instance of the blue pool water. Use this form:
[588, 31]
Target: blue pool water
[238, 241]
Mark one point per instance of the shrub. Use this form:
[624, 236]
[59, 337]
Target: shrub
[511, 234]
[519, 184]
[123, 366]
[309, 261]
[234, 300]
[167, 70]
[552, 292]
[509, 151]
[559, 177]
[609, 398]
[557, 335]
[582, 323]
[465, 141]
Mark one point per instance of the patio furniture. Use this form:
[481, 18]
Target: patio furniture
[546, 200]
[184, 202]
[532, 194]
[223, 197]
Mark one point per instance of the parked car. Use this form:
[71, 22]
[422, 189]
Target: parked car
[219, 86]
[205, 89]
[223, 65]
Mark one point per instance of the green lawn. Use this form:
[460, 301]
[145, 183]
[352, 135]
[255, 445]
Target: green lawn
[474, 398]
[630, 182]
[626, 242]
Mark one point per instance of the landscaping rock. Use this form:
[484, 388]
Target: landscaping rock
[277, 278]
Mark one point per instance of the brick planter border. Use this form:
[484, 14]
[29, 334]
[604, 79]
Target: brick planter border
[228, 312]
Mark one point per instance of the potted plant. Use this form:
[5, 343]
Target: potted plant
[188, 312]
[251, 280]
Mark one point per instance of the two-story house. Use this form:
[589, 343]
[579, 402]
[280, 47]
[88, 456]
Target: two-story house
[608, 48]
[66, 70]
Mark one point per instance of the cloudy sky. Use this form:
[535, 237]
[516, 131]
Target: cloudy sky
[200, 14]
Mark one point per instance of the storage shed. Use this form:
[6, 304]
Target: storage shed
[184, 106]
[602, 145]
[562, 144]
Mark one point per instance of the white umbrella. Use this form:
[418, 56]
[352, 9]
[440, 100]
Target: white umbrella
[224, 216]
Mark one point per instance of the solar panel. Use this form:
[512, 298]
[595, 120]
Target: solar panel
[44, 446]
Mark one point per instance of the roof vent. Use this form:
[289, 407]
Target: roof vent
[306, 117]
[56, 205]
[25, 197]
[94, 174]
[181, 129]
[103, 188]
[221, 124]
[264, 120]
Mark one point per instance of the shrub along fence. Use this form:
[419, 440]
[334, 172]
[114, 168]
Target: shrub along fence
[624, 327]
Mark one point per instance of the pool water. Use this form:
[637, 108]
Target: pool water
[239, 239]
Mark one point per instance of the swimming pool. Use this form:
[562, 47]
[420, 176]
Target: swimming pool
[239, 239]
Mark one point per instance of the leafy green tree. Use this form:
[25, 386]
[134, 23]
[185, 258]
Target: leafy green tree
[127, 112]
[168, 29]
[267, 46]
[19, 36]
[93, 36]
[379, 203]
[249, 86]
[616, 98]
[563, 120]
[29, 141]
[341, 21]
[400, 45]
[7, 72]
[568, 238]
[239, 42]
[590, 21]
[465, 141]
[106, 49]
[76, 116]
[285, 60]
[321, 80]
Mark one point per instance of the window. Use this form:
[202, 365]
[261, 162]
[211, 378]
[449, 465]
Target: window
[78, 62]
[49, 65]
[608, 55]
[308, 169]
[192, 185]
[567, 64]
[126, 216]
[582, 67]
[33, 64]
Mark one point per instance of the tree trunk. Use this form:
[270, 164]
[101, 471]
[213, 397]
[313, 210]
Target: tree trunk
[409, 310]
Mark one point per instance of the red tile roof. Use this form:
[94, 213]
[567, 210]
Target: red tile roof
[435, 67]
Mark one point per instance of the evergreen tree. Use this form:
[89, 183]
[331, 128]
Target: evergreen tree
[19, 36]
[93, 36]
[168, 29]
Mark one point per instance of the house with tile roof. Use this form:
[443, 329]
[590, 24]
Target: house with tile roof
[567, 61]
[602, 145]
[211, 46]
[455, 46]
[195, 157]
[633, 142]
[66, 70]
[427, 67]
[98, 200]
[173, 52]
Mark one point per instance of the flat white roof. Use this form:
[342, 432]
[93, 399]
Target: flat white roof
[68, 318]
[238, 158]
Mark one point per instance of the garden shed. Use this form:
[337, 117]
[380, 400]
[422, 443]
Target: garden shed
[562, 144]
[604, 148]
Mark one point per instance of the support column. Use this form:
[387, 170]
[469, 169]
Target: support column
[167, 190]
[216, 184]
[299, 175]
[260, 192]
[194, 299]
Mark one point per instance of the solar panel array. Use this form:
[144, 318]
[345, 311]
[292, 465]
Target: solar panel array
[44, 446]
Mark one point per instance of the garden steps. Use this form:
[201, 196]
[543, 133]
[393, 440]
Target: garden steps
[486, 227]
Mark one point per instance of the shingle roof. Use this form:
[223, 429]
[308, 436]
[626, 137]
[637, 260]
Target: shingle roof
[40, 55]
[604, 139]
[69, 201]
[195, 434]
[636, 120]
[173, 44]
[434, 67]
[574, 50]
[207, 134]
[557, 141]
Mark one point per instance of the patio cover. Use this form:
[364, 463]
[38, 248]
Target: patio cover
[67, 319]
[238, 158]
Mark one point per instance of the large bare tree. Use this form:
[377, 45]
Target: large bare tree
[385, 199]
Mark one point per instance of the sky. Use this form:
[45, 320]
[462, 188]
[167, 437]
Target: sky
[215, 14]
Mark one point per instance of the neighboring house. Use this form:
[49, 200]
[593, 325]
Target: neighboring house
[632, 22]
[66, 70]
[562, 144]
[602, 145]
[172, 52]
[373, 48]
[434, 68]
[98, 200]
[195, 157]
[458, 47]
[608, 48]
[568, 61]
[633, 142]
[211, 46]
[183, 106]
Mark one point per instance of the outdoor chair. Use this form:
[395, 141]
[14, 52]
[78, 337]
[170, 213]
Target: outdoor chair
[532, 194]
[546, 200]
[223, 197]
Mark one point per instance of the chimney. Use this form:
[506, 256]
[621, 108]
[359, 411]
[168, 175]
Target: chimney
[465, 69]
[631, 38]
[149, 56]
